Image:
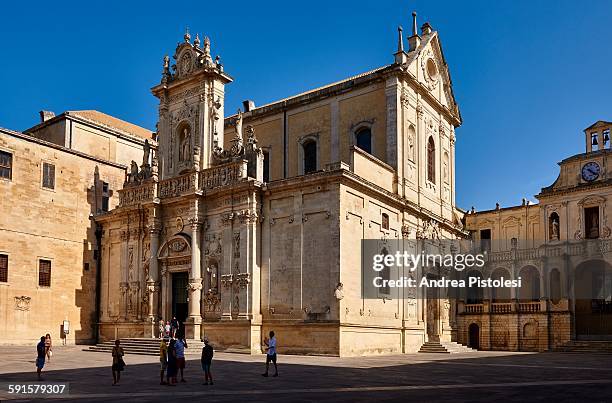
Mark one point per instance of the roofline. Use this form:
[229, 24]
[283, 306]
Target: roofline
[112, 130]
[338, 87]
[27, 137]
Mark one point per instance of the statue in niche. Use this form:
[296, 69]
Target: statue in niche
[185, 145]
[555, 229]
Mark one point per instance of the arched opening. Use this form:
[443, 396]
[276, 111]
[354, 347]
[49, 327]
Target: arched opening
[474, 293]
[530, 288]
[363, 139]
[431, 160]
[474, 336]
[310, 156]
[500, 294]
[553, 227]
[593, 293]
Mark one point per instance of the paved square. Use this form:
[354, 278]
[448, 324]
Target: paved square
[476, 377]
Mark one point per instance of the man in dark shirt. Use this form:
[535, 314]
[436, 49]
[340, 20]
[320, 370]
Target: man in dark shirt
[207, 355]
[40, 358]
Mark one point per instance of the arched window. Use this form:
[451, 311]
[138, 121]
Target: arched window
[310, 156]
[363, 139]
[431, 160]
[553, 227]
[385, 220]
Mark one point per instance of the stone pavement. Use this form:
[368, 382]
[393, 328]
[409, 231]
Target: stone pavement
[474, 377]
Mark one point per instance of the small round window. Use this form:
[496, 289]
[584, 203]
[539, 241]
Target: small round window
[432, 69]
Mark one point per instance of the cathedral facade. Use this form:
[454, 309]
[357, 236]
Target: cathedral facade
[248, 223]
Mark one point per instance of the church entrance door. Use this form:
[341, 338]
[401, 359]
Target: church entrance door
[179, 296]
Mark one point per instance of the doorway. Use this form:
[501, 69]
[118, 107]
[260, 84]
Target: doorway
[474, 336]
[179, 297]
[593, 309]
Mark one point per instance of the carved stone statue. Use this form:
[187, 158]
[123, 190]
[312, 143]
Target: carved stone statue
[185, 144]
[146, 152]
[555, 229]
[133, 172]
[239, 124]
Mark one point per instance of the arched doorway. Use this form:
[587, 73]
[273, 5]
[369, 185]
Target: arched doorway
[593, 295]
[474, 336]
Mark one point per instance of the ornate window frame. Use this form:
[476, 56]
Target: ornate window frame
[303, 140]
[592, 201]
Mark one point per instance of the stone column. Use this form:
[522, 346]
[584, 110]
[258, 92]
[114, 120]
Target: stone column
[192, 328]
[153, 280]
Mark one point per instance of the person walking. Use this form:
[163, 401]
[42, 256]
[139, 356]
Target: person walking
[174, 326]
[40, 357]
[180, 347]
[270, 353]
[171, 370]
[118, 363]
[163, 360]
[48, 347]
[207, 356]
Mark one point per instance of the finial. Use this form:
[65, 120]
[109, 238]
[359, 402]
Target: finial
[400, 40]
[414, 23]
[187, 36]
[196, 41]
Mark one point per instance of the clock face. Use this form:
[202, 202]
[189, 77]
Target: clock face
[590, 171]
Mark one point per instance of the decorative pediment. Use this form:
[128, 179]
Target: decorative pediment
[176, 246]
[593, 200]
[511, 221]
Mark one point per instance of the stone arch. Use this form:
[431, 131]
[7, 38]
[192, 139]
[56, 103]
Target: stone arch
[309, 154]
[175, 246]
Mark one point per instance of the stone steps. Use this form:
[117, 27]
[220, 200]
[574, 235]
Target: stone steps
[586, 346]
[138, 346]
[445, 347]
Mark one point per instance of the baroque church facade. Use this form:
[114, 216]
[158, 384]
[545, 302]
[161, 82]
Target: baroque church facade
[242, 224]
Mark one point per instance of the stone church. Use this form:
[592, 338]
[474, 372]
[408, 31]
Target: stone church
[242, 224]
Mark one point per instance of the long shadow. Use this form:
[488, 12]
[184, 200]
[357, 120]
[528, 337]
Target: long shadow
[534, 377]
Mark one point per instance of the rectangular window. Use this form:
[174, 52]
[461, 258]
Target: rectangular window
[105, 196]
[485, 239]
[591, 222]
[6, 165]
[48, 176]
[3, 268]
[44, 273]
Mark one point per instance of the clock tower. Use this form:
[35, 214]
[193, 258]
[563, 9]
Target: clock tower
[191, 100]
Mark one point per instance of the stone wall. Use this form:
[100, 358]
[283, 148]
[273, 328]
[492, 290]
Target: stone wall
[51, 224]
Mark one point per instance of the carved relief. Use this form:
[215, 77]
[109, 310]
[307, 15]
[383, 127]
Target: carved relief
[22, 303]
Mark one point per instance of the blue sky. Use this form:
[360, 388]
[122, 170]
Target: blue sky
[529, 76]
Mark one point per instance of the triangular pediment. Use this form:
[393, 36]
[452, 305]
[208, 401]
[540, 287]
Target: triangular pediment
[432, 71]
